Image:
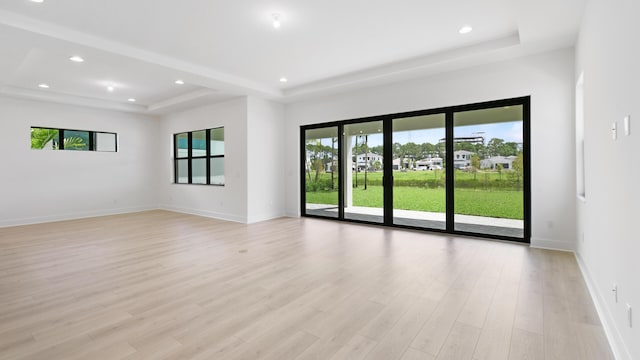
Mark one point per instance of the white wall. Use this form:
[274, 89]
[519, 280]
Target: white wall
[40, 185]
[265, 160]
[548, 78]
[227, 202]
[608, 53]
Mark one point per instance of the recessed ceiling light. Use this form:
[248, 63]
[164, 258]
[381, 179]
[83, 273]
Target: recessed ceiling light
[465, 29]
[43, 86]
[283, 79]
[76, 58]
[37, 1]
[180, 82]
[131, 100]
[276, 20]
[110, 88]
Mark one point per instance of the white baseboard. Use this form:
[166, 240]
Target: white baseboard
[540, 243]
[73, 216]
[252, 219]
[618, 347]
[205, 213]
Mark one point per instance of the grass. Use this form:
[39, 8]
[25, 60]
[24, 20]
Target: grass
[481, 201]
[498, 204]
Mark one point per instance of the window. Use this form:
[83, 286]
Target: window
[199, 157]
[461, 169]
[64, 139]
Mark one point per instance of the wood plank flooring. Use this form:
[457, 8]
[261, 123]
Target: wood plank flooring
[161, 285]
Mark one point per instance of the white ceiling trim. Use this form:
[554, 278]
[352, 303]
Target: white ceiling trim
[224, 81]
[179, 101]
[389, 72]
[48, 96]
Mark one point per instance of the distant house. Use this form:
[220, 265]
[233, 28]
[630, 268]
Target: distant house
[396, 164]
[462, 159]
[424, 164]
[367, 160]
[429, 164]
[436, 163]
[492, 162]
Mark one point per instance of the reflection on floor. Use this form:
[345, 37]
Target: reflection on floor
[428, 220]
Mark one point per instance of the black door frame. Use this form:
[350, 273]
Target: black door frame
[387, 120]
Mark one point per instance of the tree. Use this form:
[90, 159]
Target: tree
[475, 165]
[509, 149]
[74, 142]
[317, 166]
[41, 138]
[463, 146]
[499, 167]
[518, 167]
[494, 146]
[376, 165]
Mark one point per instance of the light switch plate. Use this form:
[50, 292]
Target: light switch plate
[614, 131]
[627, 130]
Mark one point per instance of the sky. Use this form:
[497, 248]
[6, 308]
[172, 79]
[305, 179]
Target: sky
[508, 131]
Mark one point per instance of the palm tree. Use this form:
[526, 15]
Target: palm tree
[42, 137]
[75, 143]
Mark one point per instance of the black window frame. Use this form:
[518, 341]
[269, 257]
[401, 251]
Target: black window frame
[524, 101]
[92, 138]
[207, 157]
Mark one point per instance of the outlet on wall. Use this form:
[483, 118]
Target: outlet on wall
[627, 129]
[614, 289]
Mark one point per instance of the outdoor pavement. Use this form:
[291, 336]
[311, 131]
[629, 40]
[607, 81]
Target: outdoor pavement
[432, 220]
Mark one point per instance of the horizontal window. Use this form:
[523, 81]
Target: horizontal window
[65, 139]
[199, 157]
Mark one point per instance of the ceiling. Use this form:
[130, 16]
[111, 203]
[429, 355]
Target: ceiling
[228, 48]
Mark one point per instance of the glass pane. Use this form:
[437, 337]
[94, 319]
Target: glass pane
[199, 171]
[321, 180]
[42, 138]
[364, 194]
[217, 171]
[489, 171]
[105, 142]
[183, 171]
[217, 141]
[182, 145]
[199, 143]
[76, 140]
[419, 187]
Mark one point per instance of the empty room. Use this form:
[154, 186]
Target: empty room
[291, 180]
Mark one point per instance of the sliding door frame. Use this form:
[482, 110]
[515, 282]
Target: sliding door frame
[387, 120]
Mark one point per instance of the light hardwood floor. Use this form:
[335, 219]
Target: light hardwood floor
[161, 285]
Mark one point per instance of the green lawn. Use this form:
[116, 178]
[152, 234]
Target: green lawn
[481, 196]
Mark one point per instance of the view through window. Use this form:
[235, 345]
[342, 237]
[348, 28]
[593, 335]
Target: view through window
[199, 157]
[461, 170]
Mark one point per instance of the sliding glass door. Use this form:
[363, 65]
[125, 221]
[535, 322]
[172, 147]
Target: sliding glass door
[461, 170]
[419, 186]
[321, 172]
[363, 168]
[488, 163]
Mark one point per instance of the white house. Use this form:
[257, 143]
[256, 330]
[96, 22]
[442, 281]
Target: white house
[462, 158]
[492, 162]
[368, 161]
[429, 164]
